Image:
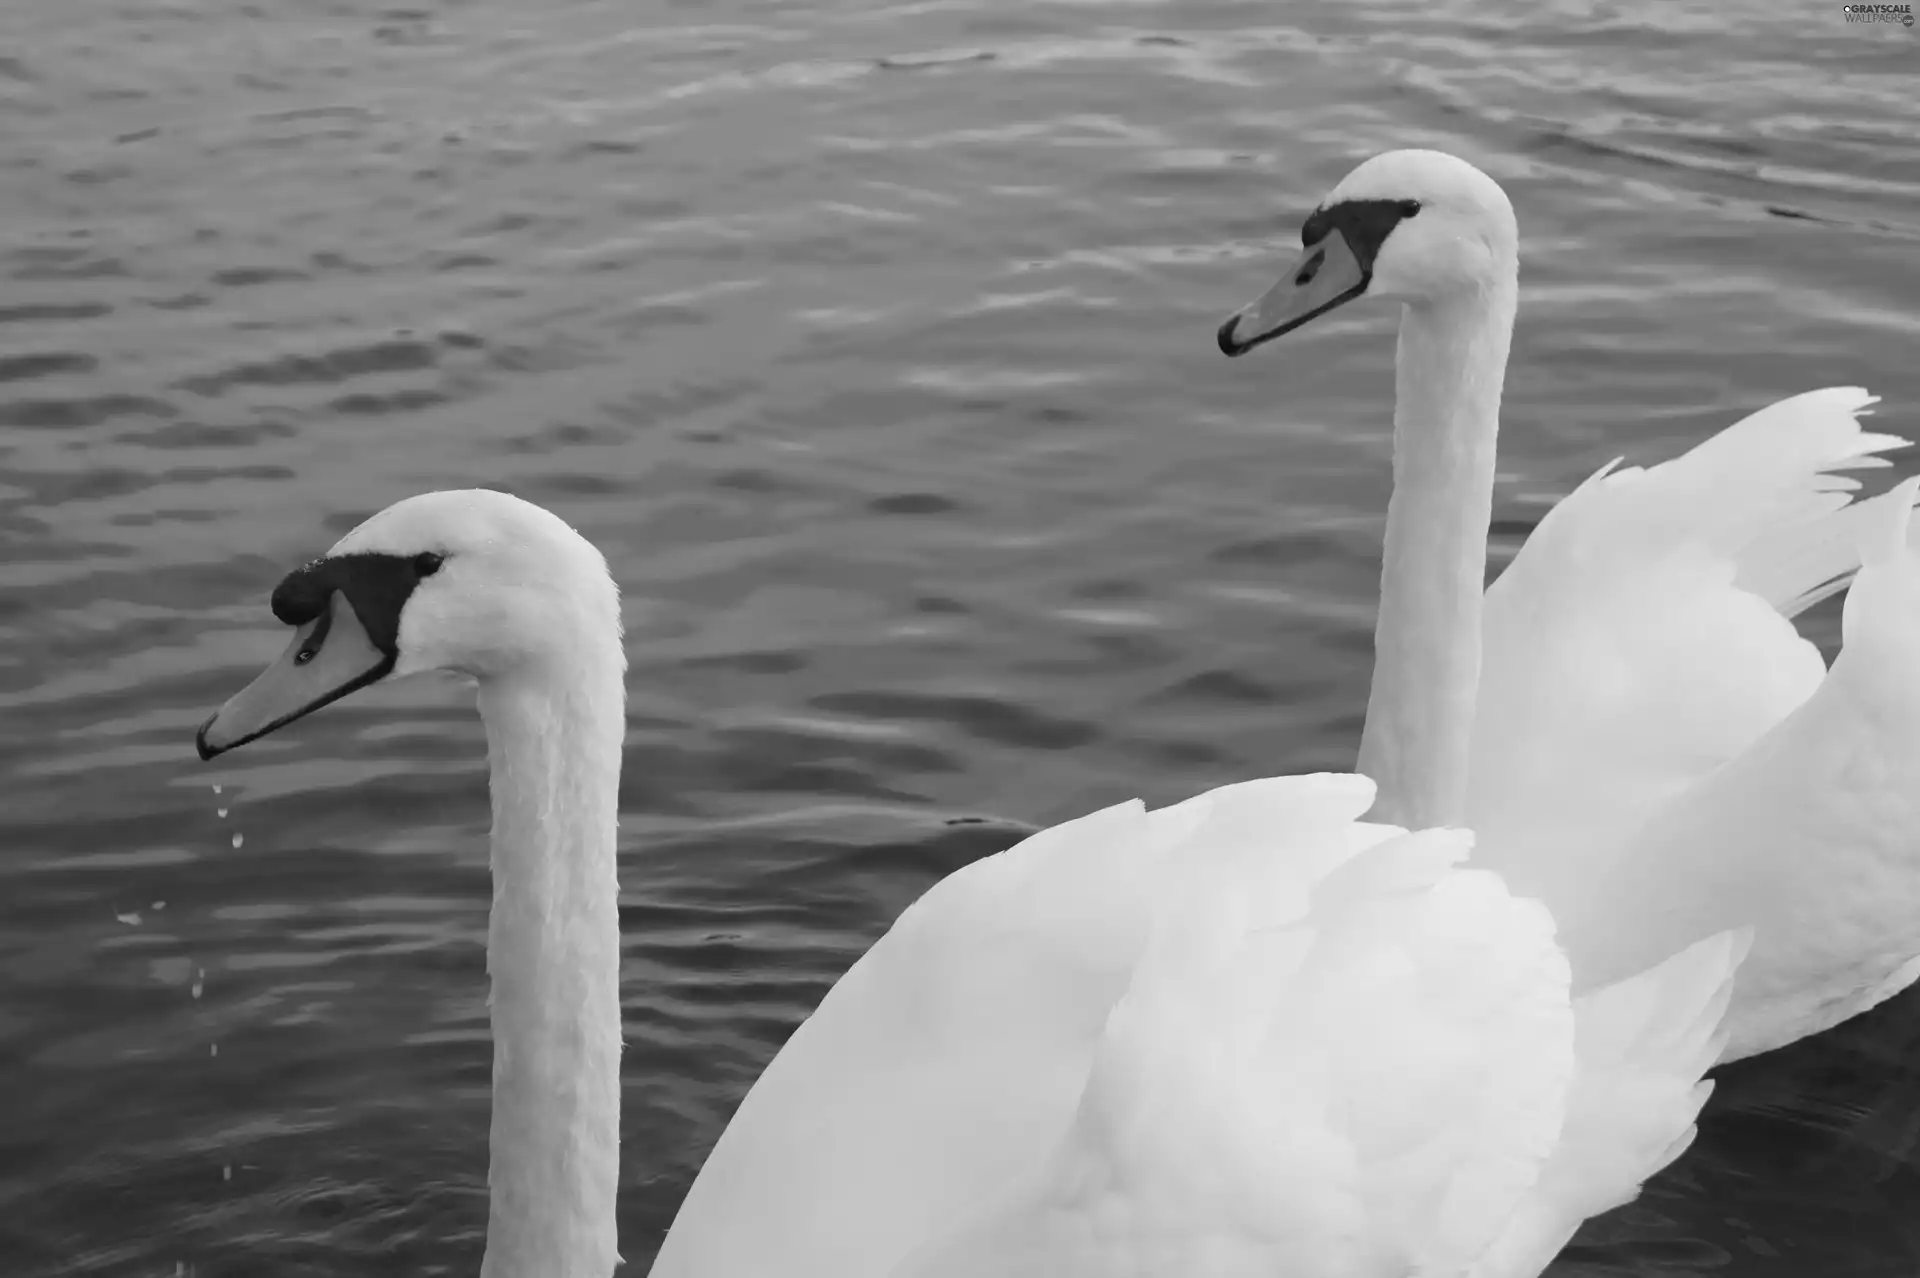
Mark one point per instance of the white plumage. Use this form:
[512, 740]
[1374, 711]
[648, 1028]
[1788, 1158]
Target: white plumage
[1251, 1034]
[1243, 1035]
[1658, 753]
[499, 590]
[1627, 718]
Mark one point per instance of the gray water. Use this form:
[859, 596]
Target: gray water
[873, 343]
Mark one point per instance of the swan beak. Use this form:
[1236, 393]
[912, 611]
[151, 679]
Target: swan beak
[1326, 275]
[329, 657]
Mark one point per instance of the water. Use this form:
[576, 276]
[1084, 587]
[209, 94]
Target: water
[873, 342]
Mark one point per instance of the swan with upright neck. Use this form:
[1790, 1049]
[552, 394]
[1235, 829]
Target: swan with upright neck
[483, 584]
[1627, 717]
[1248, 1034]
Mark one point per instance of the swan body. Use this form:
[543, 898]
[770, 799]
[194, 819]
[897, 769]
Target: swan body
[486, 585]
[1243, 1035]
[1252, 1034]
[1627, 717]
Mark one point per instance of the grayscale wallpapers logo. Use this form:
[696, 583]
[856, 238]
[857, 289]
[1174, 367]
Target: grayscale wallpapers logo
[1900, 13]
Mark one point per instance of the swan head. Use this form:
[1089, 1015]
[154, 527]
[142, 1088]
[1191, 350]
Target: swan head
[475, 582]
[1415, 226]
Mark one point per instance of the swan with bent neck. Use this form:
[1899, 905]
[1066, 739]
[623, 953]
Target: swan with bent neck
[1627, 718]
[485, 585]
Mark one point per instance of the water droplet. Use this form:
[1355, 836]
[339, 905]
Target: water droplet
[213, 1049]
[226, 1171]
[216, 789]
[238, 839]
[222, 812]
[199, 981]
[158, 905]
[131, 918]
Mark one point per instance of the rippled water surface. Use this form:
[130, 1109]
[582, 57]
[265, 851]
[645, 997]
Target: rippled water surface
[873, 342]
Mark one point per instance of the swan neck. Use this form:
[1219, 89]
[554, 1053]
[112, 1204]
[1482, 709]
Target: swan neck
[1449, 370]
[554, 738]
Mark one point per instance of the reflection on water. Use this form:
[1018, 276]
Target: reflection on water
[873, 342]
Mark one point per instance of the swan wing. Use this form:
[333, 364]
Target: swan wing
[1641, 1046]
[1641, 638]
[1366, 1080]
[1811, 834]
[951, 1057]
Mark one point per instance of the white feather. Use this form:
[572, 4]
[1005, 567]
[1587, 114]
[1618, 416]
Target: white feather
[1659, 755]
[1242, 1035]
[1252, 1034]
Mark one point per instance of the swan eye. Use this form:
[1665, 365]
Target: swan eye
[303, 656]
[426, 563]
[1409, 207]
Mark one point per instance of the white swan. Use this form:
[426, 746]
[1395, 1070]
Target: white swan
[492, 587]
[1627, 718]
